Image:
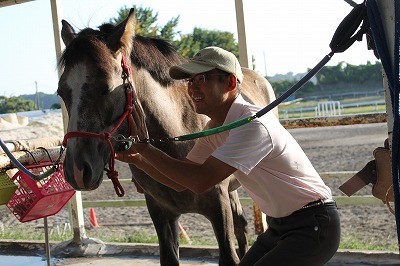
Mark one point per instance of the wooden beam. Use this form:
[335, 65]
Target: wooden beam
[26, 158]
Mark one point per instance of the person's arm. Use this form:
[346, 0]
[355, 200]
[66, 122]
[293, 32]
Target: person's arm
[196, 177]
[152, 172]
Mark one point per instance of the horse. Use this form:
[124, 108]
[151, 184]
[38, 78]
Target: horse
[96, 101]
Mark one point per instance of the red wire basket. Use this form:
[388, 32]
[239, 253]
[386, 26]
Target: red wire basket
[37, 199]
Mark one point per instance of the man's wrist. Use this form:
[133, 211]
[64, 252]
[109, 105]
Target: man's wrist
[141, 145]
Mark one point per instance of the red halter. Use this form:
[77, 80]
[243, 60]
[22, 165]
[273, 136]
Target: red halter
[111, 172]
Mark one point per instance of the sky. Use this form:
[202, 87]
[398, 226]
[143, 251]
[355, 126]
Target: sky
[283, 35]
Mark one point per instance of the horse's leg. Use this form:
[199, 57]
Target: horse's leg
[217, 209]
[240, 223]
[166, 224]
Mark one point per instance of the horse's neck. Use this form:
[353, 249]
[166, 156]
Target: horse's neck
[169, 107]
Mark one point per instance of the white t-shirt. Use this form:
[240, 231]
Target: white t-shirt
[271, 166]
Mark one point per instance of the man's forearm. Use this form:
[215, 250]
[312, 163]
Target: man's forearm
[196, 177]
[145, 166]
[185, 173]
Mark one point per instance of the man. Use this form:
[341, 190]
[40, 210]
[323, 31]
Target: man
[303, 221]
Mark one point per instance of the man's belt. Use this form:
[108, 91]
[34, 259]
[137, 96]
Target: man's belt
[316, 203]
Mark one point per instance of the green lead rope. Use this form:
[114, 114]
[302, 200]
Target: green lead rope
[216, 130]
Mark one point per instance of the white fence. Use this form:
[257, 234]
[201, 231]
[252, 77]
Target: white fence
[330, 108]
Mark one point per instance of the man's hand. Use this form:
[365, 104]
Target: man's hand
[130, 156]
[138, 122]
[139, 132]
[138, 128]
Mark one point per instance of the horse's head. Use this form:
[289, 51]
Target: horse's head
[95, 97]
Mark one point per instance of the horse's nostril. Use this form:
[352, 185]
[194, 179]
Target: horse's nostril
[87, 176]
[90, 180]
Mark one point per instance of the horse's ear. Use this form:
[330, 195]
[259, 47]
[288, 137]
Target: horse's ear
[67, 32]
[123, 33]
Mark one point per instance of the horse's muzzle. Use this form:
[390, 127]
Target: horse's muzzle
[81, 178]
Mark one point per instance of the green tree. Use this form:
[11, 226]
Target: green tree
[362, 73]
[146, 23]
[190, 44]
[15, 104]
[168, 31]
[331, 74]
[330, 77]
[344, 72]
[55, 106]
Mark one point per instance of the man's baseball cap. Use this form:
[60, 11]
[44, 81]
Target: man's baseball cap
[206, 60]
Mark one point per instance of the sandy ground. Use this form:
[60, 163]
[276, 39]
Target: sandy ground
[345, 148]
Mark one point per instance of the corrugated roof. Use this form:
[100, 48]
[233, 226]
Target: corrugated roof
[4, 3]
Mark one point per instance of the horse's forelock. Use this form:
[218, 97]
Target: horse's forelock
[89, 44]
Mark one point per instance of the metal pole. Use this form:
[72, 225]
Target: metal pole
[47, 243]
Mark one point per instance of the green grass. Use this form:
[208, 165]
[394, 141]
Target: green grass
[32, 235]
[348, 242]
[364, 109]
[135, 238]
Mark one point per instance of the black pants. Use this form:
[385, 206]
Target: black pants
[307, 237]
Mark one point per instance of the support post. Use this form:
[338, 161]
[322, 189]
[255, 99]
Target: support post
[80, 245]
[260, 224]
[244, 58]
[76, 201]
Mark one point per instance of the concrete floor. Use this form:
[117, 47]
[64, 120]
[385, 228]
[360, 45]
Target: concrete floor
[359, 259]
[102, 261]
[14, 253]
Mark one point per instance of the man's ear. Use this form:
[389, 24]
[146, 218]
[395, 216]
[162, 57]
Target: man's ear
[232, 82]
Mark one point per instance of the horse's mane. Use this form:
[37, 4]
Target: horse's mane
[153, 54]
[156, 56]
